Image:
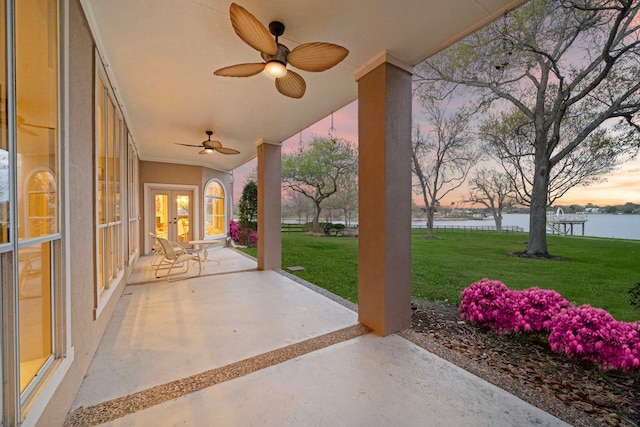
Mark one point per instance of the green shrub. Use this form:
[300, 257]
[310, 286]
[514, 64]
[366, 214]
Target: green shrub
[634, 296]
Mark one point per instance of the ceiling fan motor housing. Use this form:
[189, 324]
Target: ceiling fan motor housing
[276, 28]
[280, 56]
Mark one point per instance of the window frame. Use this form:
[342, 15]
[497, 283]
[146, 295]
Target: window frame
[26, 407]
[133, 205]
[225, 200]
[109, 230]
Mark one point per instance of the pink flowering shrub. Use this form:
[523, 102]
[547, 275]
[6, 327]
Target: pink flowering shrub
[241, 235]
[593, 334]
[535, 309]
[585, 332]
[488, 303]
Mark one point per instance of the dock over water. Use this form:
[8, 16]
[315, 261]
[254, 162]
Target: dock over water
[561, 223]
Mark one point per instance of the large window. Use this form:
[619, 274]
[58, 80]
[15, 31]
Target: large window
[4, 144]
[4, 191]
[37, 188]
[109, 230]
[214, 210]
[132, 201]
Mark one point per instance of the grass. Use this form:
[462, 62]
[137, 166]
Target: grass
[596, 271]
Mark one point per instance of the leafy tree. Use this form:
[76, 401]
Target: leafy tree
[556, 62]
[248, 206]
[491, 189]
[317, 171]
[442, 157]
[346, 198]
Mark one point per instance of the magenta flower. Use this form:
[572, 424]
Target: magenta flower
[585, 332]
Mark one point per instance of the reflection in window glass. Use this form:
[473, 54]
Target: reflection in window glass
[4, 158]
[101, 153]
[183, 208]
[100, 254]
[4, 153]
[36, 107]
[34, 279]
[214, 209]
[110, 127]
[42, 204]
[162, 216]
[111, 142]
[134, 233]
[37, 172]
[116, 168]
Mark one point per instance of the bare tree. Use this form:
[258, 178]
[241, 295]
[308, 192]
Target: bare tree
[493, 190]
[508, 136]
[442, 156]
[346, 198]
[554, 61]
[298, 206]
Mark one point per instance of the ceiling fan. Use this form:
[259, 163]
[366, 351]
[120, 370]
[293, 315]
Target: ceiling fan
[22, 126]
[209, 146]
[312, 57]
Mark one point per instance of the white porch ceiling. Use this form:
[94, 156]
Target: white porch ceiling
[161, 54]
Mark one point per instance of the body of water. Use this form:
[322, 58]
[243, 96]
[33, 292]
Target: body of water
[597, 225]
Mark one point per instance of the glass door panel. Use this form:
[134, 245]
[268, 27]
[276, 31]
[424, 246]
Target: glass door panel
[162, 215]
[172, 216]
[183, 213]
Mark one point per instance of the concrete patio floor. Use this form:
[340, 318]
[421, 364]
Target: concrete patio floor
[253, 347]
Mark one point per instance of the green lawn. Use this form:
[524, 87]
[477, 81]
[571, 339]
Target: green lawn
[597, 271]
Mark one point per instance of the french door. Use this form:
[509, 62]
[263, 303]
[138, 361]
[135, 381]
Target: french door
[172, 211]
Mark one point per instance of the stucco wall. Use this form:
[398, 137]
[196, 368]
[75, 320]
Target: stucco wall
[175, 174]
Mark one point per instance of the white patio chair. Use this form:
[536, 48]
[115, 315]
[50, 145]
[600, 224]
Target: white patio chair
[157, 251]
[175, 256]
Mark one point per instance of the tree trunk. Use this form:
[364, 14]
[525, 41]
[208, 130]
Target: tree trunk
[316, 219]
[497, 216]
[537, 244]
[430, 222]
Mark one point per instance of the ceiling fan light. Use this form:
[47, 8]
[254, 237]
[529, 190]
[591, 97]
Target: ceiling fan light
[275, 69]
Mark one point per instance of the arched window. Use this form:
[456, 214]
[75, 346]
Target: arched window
[42, 204]
[214, 210]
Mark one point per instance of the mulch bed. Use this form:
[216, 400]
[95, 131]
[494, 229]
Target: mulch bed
[605, 397]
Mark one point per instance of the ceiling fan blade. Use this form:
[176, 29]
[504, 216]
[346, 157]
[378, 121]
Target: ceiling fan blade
[224, 150]
[291, 85]
[317, 56]
[241, 70]
[212, 144]
[188, 145]
[251, 31]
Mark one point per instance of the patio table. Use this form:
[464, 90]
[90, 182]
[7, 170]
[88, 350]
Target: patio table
[207, 244]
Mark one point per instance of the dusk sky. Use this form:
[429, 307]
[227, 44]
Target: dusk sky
[619, 187]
